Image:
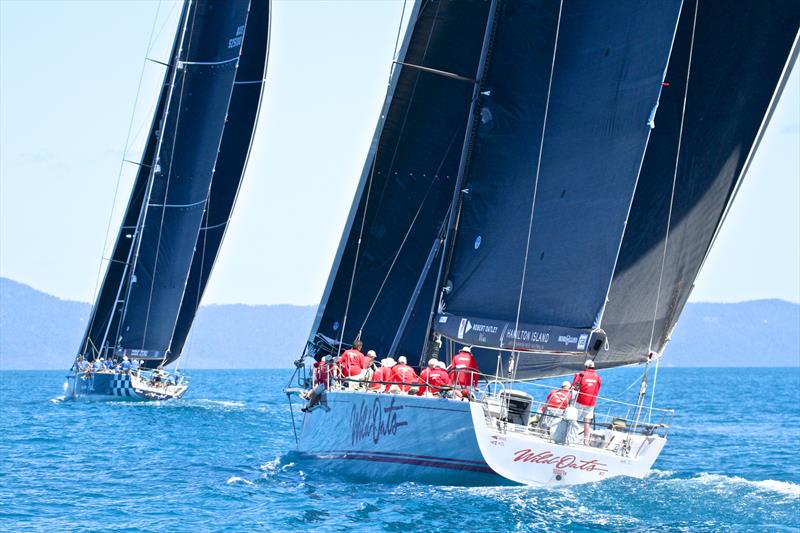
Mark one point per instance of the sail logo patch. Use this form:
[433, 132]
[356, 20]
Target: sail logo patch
[567, 339]
[461, 327]
[237, 41]
[582, 341]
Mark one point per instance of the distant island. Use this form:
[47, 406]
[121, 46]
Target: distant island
[40, 331]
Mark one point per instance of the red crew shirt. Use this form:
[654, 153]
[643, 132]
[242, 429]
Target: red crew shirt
[384, 373]
[588, 385]
[435, 377]
[404, 374]
[558, 399]
[463, 370]
[351, 362]
[321, 372]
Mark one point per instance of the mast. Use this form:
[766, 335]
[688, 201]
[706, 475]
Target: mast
[116, 272]
[154, 169]
[466, 148]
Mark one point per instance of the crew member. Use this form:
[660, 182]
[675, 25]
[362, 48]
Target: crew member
[322, 371]
[369, 365]
[383, 375]
[440, 377]
[351, 364]
[425, 376]
[126, 365]
[402, 373]
[587, 383]
[556, 402]
[464, 368]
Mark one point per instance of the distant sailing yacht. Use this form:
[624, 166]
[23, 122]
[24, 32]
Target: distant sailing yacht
[182, 199]
[544, 185]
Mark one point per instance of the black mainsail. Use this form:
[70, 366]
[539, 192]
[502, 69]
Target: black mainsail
[407, 182]
[600, 147]
[187, 182]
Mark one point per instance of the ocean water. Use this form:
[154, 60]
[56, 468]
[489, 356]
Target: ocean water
[221, 460]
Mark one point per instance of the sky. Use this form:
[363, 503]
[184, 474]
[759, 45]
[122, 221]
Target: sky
[69, 76]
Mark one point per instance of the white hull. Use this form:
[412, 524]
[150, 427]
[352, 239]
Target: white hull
[396, 437]
[517, 454]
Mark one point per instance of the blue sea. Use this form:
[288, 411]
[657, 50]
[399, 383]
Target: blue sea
[221, 460]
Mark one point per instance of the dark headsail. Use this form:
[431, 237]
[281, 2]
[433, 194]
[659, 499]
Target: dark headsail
[740, 58]
[231, 161]
[564, 125]
[733, 86]
[188, 179]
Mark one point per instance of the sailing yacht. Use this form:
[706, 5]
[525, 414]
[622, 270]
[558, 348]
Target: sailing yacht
[545, 182]
[180, 205]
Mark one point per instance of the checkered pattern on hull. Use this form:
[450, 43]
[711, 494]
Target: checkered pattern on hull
[121, 386]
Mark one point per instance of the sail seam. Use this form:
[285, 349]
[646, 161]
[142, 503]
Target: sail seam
[536, 180]
[223, 62]
[193, 204]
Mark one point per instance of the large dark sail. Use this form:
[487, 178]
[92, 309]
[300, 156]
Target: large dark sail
[106, 311]
[408, 180]
[740, 59]
[229, 170]
[733, 86]
[189, 156]
[564, 125]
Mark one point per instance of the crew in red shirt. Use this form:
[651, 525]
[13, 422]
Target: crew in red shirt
[587, 383]
[425, 376]
[436, 377]
[351, 362]
[382, 375]
[323, 370]
[402, 373]
[464, 368]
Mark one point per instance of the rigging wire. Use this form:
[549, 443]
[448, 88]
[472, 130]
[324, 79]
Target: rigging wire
[355, 259]
[166, 186]
[411, 226]
[151, 179]
[370, 181]
[671, 203]
[536, 184]
[399, 30]
[119, 179]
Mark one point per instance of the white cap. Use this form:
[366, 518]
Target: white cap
[327, 357]
[566, 385]
[589, 363]
[432, 362]
[402, 360]
[388, 362]
[372, 354]
[467, 349]
[441, 364]
[124, 357]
